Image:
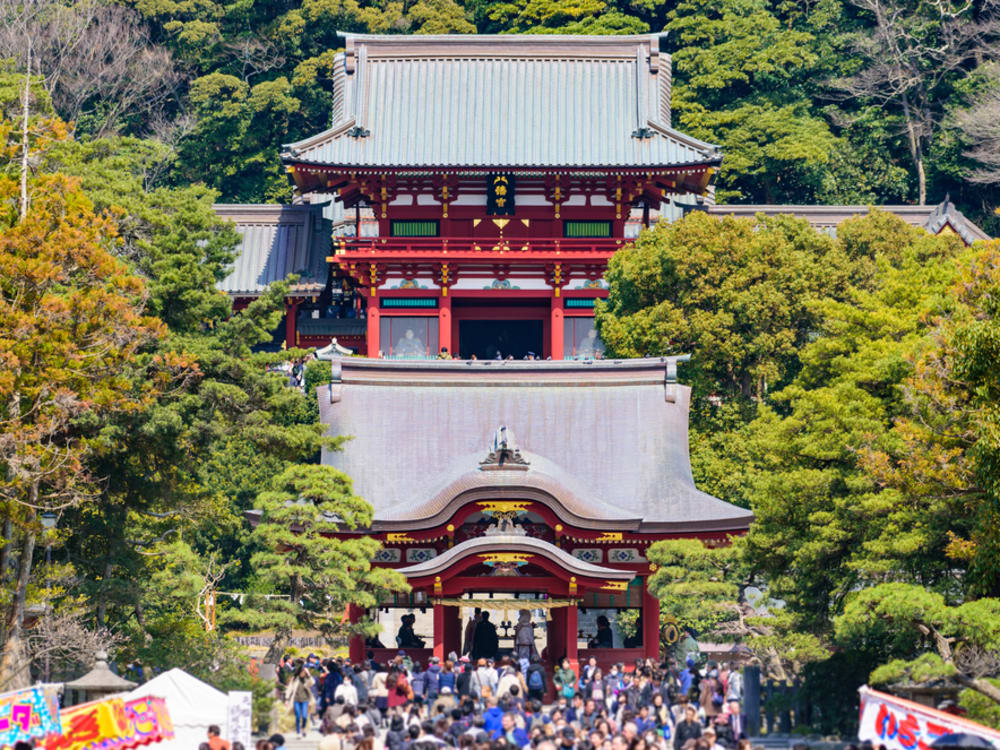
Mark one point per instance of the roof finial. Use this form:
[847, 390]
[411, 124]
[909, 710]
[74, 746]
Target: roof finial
[504, 453]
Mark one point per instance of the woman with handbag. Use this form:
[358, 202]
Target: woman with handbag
[298, 696]
[565, 680]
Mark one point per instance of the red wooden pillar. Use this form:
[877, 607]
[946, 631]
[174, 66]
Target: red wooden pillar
[372, 337]
[356, 645]
[650, 624]
[452, 630]
[556, 328]
[556, 635]
[439, 631]
[444, 323]
[572, 628]
[291, 316]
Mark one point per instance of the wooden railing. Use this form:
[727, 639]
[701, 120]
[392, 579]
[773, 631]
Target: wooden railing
[461, 246]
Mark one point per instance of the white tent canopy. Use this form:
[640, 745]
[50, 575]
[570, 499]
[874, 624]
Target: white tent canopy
[193, 706]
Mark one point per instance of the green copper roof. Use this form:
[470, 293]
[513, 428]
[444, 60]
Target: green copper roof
[507, 101]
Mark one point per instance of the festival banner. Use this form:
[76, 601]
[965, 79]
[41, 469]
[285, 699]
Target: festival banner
[112, 724]
[29, 713]
[149, 721]
[899, 724]
[97, 725]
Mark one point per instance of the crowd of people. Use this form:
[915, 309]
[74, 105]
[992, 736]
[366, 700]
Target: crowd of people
[494, 704]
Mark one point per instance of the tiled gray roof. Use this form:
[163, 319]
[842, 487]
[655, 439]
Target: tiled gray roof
[277, 241]
[601, 438]
[826, 218]
[504, 101]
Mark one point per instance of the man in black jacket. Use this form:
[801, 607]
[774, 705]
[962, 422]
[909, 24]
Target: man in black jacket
[689, 729]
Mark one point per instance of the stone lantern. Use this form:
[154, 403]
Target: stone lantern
[97, 683]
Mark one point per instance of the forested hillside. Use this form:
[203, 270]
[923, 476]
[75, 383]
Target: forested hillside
[825, 101]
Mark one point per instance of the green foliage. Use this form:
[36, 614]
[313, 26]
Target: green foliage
[314, 575]
[980, 708]
[705, 589]
[734, 293]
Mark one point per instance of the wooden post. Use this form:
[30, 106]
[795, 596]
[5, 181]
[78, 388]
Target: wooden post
[751, 699]
[291, 315]
[556, 331]
[452, 630]
[372, 337]
[650, 624]
[439, 631]
[444, 324]
[572, 626]
[356, 646]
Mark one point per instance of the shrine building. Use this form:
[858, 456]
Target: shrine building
[522, 485]
[500, 173]
[467, 197]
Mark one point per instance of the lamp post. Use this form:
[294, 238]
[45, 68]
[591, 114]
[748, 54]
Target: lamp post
[49, 521]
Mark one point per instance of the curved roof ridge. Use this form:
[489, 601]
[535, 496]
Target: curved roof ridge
[500, 543]
[542, 473]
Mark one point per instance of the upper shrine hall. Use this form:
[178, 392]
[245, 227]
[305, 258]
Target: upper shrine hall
[478, 185]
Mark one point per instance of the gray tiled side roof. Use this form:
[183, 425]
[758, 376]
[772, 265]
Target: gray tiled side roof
[277, 241]
[826, 218]
[602, 438]
[501, 101]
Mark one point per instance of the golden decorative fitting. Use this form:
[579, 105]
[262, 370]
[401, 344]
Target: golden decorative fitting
[504, 506]
[450, 528]
[559, 527]
[399, 537]
[499, 558]
[610, 536]
[615, 586]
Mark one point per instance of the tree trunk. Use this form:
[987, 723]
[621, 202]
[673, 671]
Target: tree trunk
[916, 152]
[24, 136]
[981, 686]
[281, 638]
[14, 671]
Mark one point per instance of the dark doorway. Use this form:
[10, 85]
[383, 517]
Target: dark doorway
[485, 338]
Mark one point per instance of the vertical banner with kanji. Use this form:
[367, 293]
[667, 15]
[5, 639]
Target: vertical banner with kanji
[240, 717]
[904, 725]
[29, 713]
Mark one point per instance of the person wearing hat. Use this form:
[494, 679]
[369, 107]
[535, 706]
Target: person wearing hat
[709, 734]
[445, 702]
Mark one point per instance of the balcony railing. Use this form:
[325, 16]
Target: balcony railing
[418, 247]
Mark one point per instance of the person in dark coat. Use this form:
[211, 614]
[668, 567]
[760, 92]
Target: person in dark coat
[485, 643]
[462, 680]
[689, 729]
[396, 735]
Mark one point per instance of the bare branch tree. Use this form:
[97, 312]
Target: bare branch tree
[65, 643]
[911, 51]
[255, 56]
[96, 59]
[980, 124]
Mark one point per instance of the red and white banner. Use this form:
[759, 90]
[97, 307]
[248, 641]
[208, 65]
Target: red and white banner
[904, 725]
